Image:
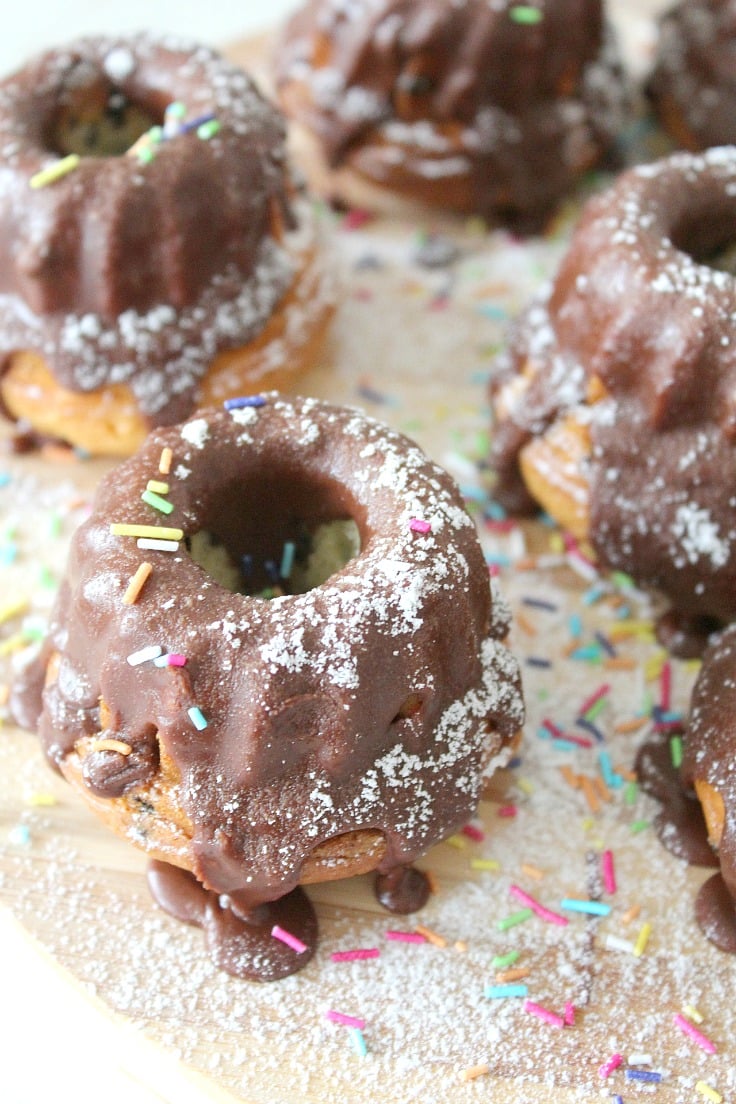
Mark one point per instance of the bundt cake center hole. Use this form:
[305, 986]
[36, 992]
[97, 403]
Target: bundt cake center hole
[294, 564]
[709, 241]
[94, 117]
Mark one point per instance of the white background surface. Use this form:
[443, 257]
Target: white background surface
[38, 24]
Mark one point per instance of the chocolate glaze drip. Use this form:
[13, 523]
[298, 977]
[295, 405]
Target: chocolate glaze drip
[636, 307]
[141, 273]
[377, 701]
[458, 104]
[686, 636]
[679, 824]
[241, 944]
[694, 75]
[403, 889]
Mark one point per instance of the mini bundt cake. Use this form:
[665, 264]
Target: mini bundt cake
[614, 404]
[344, 725]
[154, 253]
[472, 106]
[698, 817]
[693, 84]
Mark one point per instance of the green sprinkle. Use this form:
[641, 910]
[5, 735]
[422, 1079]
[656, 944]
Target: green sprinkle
[208, 129]
[158, 503]
[676, 751]
[46, 579]
[630, 792]
[525, 14]
[621, 579]
[514, 919]
[54, 526]
[596, 708]
[639, 826]
[500, 962]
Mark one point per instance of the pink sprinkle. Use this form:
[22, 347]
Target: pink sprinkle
[494, 570]
[405, 937]
[697, 1036]
[609, 873]
[531, 902]
[342, 1018]
[173, 659]
[473, 833]
[544, 1014]
[665, 686]
[507, 811]
[418, 525]
[569, 1016]
[353, 956]
[608, 1067]
[593, 699]
[289, 939]
[506, 525]
[355, 218]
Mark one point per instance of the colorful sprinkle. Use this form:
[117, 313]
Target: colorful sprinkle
[544, 1014]
[144, 655]
[244, 400]
[431, 936]
[123, 529]
[609, 872]
[170, 659]
[591, 908]
[55, 172]
[607, 1068]
[473, 1072]
[708, 1092]
[525, 15]
[692, 1032]
[287, 559]
[356, 1035]
[280, 933]
[500, 962]
[419, 525]
[355, 956]
[164, 464]
[137, 582]
[405, 937]
[501, 992]
[515, 918]
[150, 545]
[344, 1019]
[20, 835]
[157, 486]
[158, 503]
[643, 1075]
[538, 909]
[197, 717]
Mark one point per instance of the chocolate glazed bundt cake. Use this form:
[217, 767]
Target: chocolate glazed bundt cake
[693, 83]
[295, 673]
[615, 405]
[472, 106]
[154, 254]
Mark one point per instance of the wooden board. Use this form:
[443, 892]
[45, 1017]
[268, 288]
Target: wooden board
[413, 346]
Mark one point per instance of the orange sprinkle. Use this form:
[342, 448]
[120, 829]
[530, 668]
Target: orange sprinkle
[4, 693]
[526, 563]
[532, 871]
[431, 936]
[136, 584]
[620, 663]
[164, 464]
[59, 454]
[591, 793]
[111, 745]
[472, 1072]
[525, 624]
[627, 774]
[602, 788]
[512, 975]
[434, 885]
[570, 777]
[631, 726]
[631, 914]
[460, 946]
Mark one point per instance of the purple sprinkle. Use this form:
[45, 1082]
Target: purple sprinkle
[540, 603]
[192, 124]
[244, 400]
[538, 661]
[606, 644]
[581, 722]
[643, 1075]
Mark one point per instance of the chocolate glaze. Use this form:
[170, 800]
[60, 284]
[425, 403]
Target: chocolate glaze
[456, 103]
[679, 824]
[141, 273]
[636, 306]
[694, 74]
[241, 945]
[403, 889]
[309, 735]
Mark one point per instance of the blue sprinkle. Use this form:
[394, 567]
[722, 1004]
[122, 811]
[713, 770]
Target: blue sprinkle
[358, 1041]
[244, 400]
[20, 835]
[4, 478]
[615, 781]
[494, 511]
[575, 625]
[493, 311]
[246, 565]
[272, 570]
[592, 595]
[605, 644]
[583, 722]
[590, 908]
[643, 1075]
[287, 559]
[538, 661]
[197, 717]
[540, 603]
[193, 124]
[498, 560]
[499, 992]
[590, 652]
[8, 553]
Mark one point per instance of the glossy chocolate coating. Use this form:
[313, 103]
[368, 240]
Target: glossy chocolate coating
[140, 273]
[636, 306]
[459, 104]
[694, 77]
[309, 734]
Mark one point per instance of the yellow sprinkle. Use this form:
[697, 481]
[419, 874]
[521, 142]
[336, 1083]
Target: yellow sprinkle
[525, 786]
[642, 939]
[588, 823]
[13, 643]
[157, 487]
[431, 936]
[472, 1072]
[136, 584]
[653, 666]
[54, 172]
[630, 628]
[457, 842]
[164, 464]
[708, 1092]
[556, 543]
[162, 532]
[111, 745]
[485, 864]
[693, 1014]
[532, 871]
[41, 800]
[13, 609]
